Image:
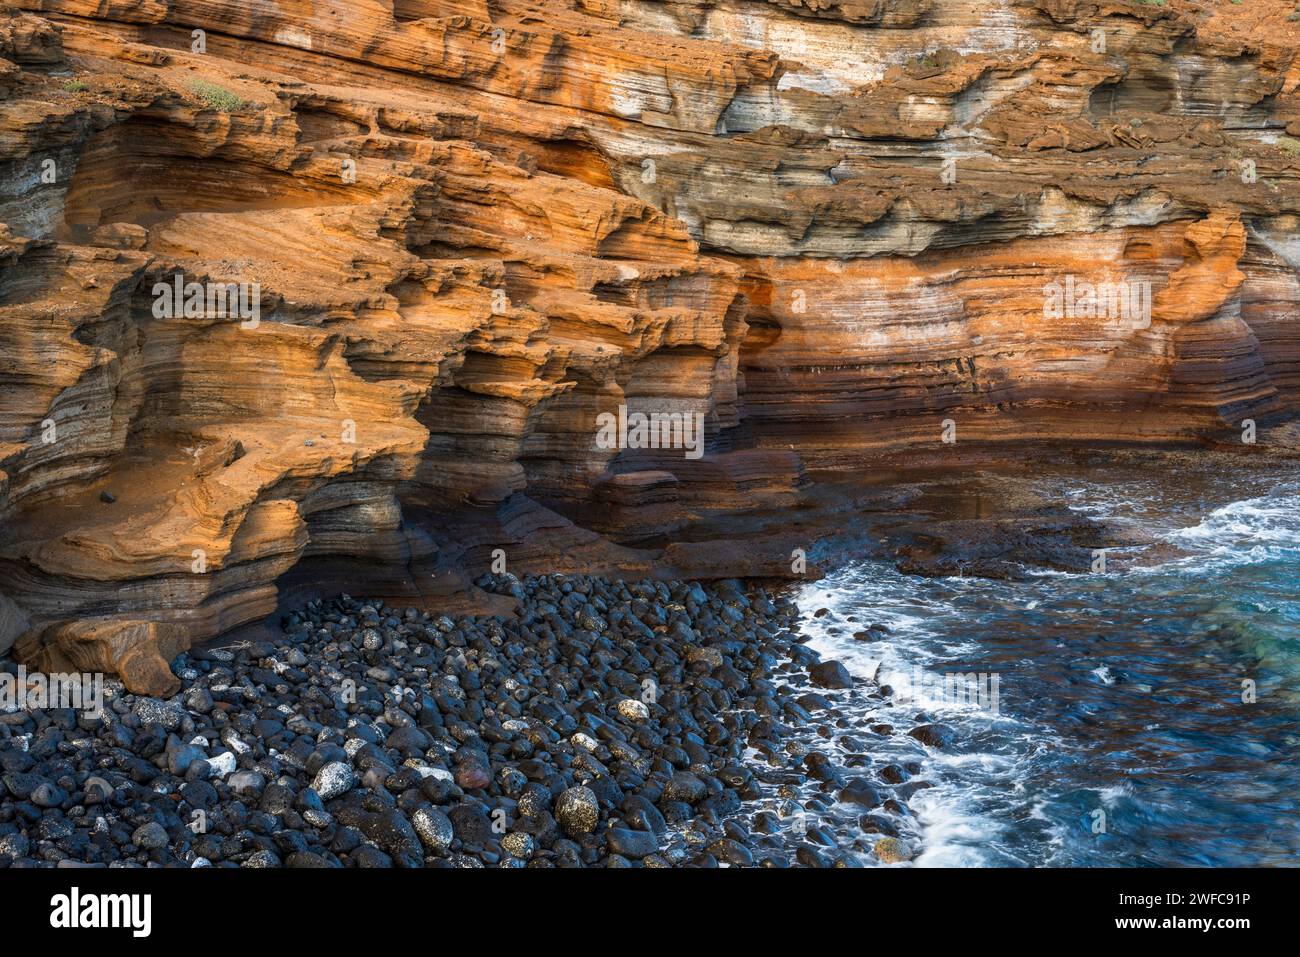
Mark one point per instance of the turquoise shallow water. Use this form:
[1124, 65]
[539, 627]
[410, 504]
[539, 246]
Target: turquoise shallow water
[1120, 735]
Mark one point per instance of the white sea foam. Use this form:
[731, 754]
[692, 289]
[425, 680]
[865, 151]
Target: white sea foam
[1246, 532]
[954, 835]
[995, 799]
[1269, 522]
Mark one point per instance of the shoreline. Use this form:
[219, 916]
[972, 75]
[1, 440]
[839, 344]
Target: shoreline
[889, 504]
[967, 511]
[611, 724]
[779, 770]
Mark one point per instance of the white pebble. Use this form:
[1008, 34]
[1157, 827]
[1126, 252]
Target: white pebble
[222, 764]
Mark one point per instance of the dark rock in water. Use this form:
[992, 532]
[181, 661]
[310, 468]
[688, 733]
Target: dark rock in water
[905, 791]
[822, 767]
[934, 735]
[809, 856]
[859, 791]
[814, 702]
[892, 774]
[732, 852]
[892, 850]
[685, 787]
[1006, 547]
[819, 835]
[636, 844]
[831, 674]
[803, 656]
[894, 808]
[108, 498]
[878, 824]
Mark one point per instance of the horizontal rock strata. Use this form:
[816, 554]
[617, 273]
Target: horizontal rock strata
[435, 241]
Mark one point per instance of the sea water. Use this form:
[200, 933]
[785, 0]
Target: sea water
[1149, 716]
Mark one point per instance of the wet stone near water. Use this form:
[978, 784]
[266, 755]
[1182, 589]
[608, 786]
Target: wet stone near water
[608, 723]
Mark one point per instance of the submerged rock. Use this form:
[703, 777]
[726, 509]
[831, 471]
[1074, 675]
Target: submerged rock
[892, 850]
[934, 735]
[831, 674]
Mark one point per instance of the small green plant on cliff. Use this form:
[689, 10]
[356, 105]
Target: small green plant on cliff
[927, 63]
[1290, 144]
[74, 86]
[216, 97]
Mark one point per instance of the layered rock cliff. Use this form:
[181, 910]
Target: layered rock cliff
[340, 288]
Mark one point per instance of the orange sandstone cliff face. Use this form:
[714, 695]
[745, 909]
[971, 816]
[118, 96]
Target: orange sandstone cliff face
[434, 241]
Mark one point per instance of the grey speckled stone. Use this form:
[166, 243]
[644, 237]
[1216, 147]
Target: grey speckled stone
[150, 836]
[333, 779]
[169, 714]
[433, 827]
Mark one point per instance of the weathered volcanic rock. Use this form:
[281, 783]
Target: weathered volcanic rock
[333, 742]
[455, 234]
